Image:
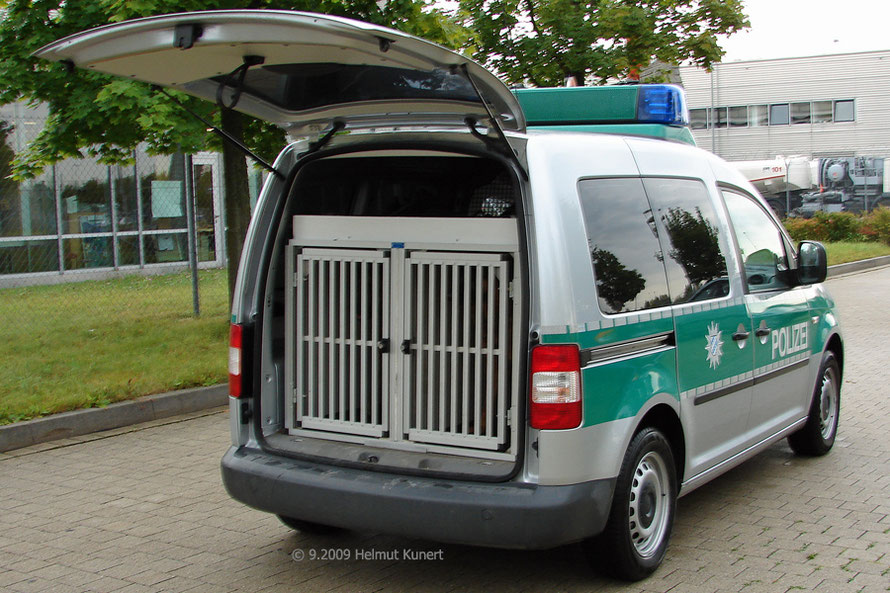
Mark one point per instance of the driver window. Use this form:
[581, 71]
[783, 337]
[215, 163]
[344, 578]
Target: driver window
[760, 244]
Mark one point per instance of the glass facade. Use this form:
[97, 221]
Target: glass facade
[84, 215]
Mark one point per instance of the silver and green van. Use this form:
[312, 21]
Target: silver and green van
[462, 315]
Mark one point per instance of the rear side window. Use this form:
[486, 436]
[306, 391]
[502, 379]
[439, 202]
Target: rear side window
[688, 227]
[623, 242]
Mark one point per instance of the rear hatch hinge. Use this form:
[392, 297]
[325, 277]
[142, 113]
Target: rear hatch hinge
[501, 144]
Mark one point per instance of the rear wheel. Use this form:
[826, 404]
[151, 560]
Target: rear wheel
[636, 536]
[308, 527]
[818, 434]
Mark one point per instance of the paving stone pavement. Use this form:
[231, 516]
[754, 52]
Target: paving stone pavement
[142, 509]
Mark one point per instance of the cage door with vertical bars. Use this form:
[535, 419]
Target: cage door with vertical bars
[456, 387]
[342, 318]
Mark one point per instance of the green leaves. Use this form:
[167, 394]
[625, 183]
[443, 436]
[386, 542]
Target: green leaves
[543, 42]
[106, 117]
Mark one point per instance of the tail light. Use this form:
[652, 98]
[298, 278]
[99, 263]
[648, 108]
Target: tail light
[235, 359]
[555, 387]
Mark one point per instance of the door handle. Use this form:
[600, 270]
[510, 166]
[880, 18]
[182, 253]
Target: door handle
[762, 331]
[738, 336]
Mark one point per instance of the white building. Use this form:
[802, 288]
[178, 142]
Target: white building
[81, 219]
[819, 106]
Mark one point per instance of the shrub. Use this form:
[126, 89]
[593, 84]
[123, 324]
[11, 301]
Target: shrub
[831, 227]
[803, 228]
[877, 223]
[840, 226]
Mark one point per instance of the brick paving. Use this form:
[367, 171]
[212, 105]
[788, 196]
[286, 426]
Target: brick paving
[142, 510]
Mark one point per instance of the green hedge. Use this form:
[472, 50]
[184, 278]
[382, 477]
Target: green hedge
[836, 227]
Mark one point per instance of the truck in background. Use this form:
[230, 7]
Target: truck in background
[801, 186]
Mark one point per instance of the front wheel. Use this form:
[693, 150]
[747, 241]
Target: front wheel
[637, 532]
[818, 434]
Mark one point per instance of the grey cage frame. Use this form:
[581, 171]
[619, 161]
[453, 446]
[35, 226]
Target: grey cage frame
[404, 333]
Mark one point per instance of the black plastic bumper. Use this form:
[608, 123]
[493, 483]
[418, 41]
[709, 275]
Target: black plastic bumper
[509, 515]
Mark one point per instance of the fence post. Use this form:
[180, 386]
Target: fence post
[191, 226]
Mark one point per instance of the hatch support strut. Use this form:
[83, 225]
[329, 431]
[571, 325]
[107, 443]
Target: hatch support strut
[224, 135]
[504, 145]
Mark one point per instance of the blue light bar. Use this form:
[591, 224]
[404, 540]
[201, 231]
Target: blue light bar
[662, 104]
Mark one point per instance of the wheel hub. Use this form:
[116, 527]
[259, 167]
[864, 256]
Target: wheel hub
[647, 506]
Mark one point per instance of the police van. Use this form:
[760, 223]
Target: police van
[462, 315]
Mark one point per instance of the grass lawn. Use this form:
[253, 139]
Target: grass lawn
[88, 344]
[841, 253]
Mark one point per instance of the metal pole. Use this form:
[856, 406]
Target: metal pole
[787, 186]
[191, 227]
[865, 191]
[712, 119]
[112, 189]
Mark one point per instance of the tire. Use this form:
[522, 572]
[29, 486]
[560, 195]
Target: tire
[630, 548]
[818, 434]
[308, 527]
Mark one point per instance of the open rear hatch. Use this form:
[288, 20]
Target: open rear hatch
[295, 69]
[391, 304]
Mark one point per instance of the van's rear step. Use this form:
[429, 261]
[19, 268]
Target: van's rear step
[409, 344]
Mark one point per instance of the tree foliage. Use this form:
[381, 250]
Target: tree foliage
[615, 284]
[694, 245]
[105, 117]
[544, 42]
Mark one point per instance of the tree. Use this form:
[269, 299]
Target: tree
[106, 117]
[545, 42]
[694, 245]
[615, 284]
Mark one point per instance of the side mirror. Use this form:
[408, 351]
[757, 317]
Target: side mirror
[812, 263]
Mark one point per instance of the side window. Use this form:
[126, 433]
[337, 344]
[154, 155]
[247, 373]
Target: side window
[623, 242]
[760, 243]
[688, 226]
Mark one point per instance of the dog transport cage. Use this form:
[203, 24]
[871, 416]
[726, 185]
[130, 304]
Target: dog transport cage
[413, 343]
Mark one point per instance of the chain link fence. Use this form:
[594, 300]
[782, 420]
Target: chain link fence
[96, 281]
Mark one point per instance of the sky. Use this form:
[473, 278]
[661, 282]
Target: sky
[794, 28]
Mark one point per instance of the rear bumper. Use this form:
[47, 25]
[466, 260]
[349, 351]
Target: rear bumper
[509, 515]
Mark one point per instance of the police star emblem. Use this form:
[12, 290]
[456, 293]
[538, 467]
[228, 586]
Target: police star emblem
[715, 344]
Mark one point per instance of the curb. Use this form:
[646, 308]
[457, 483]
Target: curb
[80, 422]
[858, 266]
[164, 405]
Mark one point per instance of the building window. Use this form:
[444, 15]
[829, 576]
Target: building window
[698, 119]
[843, 110]
[738, 117]
[822, 112]
[758, 115]
[800, 113]
[778, 115]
